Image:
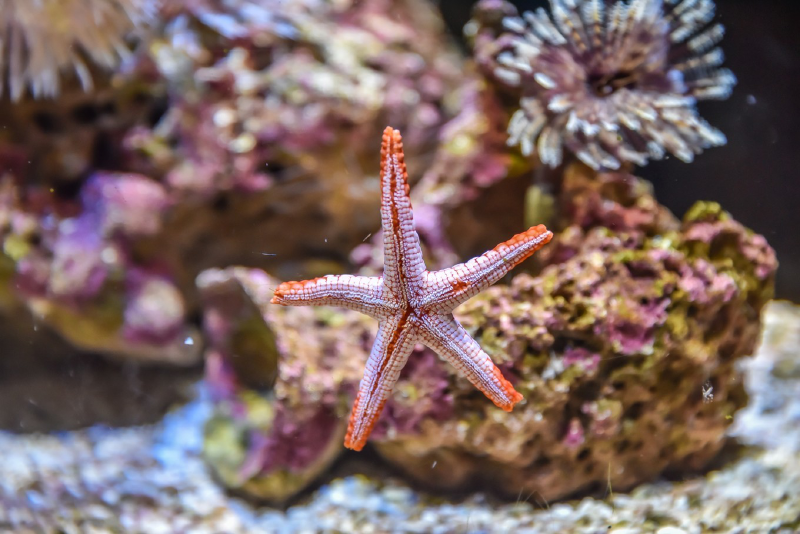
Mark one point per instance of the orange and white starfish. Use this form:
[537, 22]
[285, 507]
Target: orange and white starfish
[414, 305]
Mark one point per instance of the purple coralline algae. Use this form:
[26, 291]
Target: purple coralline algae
[280, 380]
[232, 123]
[610, 344]
[613, 342]
[610, 82]
[422, 395]
[243, 133]
[78, 267]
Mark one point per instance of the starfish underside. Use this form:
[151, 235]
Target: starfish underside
[414, 305]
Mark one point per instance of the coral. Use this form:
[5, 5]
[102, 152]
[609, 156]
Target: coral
[612, 83]
[41, 38]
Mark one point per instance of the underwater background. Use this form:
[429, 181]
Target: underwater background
[246, 250]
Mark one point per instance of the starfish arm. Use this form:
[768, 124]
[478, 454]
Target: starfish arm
[448, 288]
[393, 345]
[448, 338]
[404, 267]
[359, 293]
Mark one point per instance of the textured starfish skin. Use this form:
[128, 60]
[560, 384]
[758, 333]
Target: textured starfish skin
[414, 305]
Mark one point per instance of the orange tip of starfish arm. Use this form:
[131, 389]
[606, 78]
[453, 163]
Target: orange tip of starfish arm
[353, 446]
[538, 232]
[516, 396]
[513, 395]
[287, 289]
[357, 435]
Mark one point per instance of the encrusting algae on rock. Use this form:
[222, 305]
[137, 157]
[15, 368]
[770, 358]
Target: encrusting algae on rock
[79, 267]
[260, 125]
[246, 134]
[622, 324]
[280, 379]
[611, 344]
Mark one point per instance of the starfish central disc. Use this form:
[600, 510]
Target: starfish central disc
[412, 304]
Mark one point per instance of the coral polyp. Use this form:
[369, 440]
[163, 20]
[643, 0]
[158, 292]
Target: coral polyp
[613, 83]
[41, 38]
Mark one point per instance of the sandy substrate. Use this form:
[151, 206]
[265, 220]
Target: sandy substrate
[152, 480]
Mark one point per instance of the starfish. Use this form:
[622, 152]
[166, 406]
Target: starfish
[412, 304]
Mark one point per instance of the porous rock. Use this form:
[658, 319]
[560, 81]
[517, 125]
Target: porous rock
[635, 320]
[280, 379]
[616, 345]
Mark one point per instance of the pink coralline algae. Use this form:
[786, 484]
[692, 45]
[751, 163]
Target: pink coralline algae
[234, 122]
[423, 393]
[714, 226]
[76, 270]
[581, 358]
[280, 81]
[125, 204]
[610, 344]
[635, 320]
[574, 436]
[78, 267]
[280, 386]
[155, 312]
[289, 448]
[618, 201]
[610, 82]
[606, 344]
